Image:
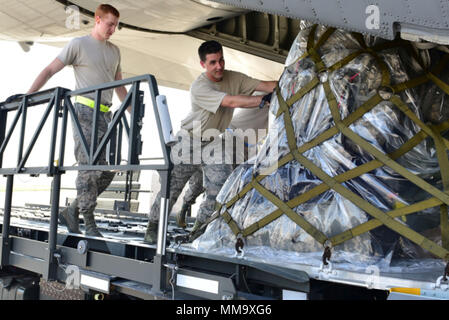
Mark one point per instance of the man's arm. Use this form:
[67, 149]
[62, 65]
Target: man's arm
[45, 75]
[121, 91]
[266, 86]
[242, 101]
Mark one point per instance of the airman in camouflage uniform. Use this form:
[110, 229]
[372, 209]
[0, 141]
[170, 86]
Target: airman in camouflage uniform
[95, 61]
[214, 95]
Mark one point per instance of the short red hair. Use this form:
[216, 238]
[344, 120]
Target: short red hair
[104, 9]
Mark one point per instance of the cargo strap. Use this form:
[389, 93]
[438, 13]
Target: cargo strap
[90, 103]
[444, 168]
[387, 92]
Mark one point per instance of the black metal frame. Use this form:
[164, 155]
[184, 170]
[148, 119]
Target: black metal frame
[58, 101]
[133, 268]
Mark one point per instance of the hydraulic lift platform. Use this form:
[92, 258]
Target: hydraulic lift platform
[120, 264]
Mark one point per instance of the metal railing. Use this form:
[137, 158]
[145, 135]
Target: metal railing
[58, 101]
[61, 109]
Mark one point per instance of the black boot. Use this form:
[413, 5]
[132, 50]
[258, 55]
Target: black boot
[89, 223]
[181, 216]
[197, 230]
[151, 233]
[70, 217]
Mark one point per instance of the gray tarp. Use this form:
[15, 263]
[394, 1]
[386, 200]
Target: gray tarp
[385, 127]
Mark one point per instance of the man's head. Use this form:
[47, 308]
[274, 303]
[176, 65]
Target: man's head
[106, 20]
[211, 56]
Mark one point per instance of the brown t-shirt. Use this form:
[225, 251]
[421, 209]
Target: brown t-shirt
[206, 97]
[94, 62]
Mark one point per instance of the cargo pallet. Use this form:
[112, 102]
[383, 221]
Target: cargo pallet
[120, 264]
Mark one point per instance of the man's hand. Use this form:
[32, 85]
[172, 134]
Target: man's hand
[14, 97]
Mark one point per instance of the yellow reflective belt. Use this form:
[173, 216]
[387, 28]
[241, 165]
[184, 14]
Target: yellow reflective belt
[90, 103]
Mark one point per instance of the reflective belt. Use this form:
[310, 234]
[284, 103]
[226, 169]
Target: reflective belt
[90, 103]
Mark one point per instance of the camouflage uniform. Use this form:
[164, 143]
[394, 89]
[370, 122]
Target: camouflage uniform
[195, 188]
[206, 98]
[214, 176]
[90, 184]
[94, 62]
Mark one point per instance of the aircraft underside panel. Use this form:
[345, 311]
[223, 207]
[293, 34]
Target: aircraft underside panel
[427, 20]
[339, 154]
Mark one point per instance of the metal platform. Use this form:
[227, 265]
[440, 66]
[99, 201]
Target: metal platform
[120, 262]
[131, 265]
[122, 245]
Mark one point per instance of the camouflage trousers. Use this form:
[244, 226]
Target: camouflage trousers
[195, 187]
[213, 178]
[90, 184]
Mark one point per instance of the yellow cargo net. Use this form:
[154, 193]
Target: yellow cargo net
[385, 92]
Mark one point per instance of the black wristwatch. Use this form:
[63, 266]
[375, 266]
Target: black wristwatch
[265, 99]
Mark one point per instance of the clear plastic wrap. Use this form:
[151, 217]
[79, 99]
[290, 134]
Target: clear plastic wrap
[385, 127]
